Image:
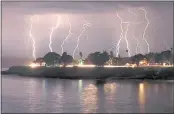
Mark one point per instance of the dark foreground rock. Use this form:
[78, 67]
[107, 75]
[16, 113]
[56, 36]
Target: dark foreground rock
[93, 73]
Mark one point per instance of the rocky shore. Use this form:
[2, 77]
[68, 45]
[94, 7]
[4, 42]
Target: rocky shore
[162, 73]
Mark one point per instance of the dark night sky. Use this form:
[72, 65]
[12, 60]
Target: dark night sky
[105, 27]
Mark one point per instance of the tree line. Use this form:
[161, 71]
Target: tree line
[102, 58]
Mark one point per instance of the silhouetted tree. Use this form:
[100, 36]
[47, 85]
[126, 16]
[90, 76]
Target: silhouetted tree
[158, 57]
[93, 57]
[66, 59]
[137, 58]
[111, 54]
[119, 56]
[98, 58]
[150, 57]
[81, 55]
[51, 58]
[39, 60]
[111, 57]
[86, 61]
[166, 55]
[104, 57]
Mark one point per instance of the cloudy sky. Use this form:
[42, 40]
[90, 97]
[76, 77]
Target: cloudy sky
[102, 35]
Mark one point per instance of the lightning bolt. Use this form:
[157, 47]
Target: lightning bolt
[33, 39]
[127, 40]
[121, 37]
[145, 12]
[78, 38]
[51, 33]
[113, 43]
[67, 35]
[138, 44]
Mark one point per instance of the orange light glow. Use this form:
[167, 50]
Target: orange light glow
[141, 96]
[33, 65]
[164, 64]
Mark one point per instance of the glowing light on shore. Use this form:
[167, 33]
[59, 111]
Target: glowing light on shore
[33, 65]
[164, 64]
[92, 66]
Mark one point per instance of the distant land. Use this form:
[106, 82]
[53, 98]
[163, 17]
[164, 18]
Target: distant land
[14, 61]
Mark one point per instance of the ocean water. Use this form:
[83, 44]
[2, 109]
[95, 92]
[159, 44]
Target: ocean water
[41, 95]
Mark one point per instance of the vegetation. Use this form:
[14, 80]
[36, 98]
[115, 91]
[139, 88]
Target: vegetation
[39, 60]
[81, 55]
[99, 59]
[102, 58]
[51, 58]
[66, 59]
[136, 58]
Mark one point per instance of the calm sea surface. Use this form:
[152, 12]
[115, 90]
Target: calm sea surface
[28, 94]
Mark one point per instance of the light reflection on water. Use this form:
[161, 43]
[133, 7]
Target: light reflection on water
[80, 84]
[28, 94]
[141, 96]
[89, 98]
[109, 89]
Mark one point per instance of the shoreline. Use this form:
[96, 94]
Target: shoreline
[114, 79]
[93, 73]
